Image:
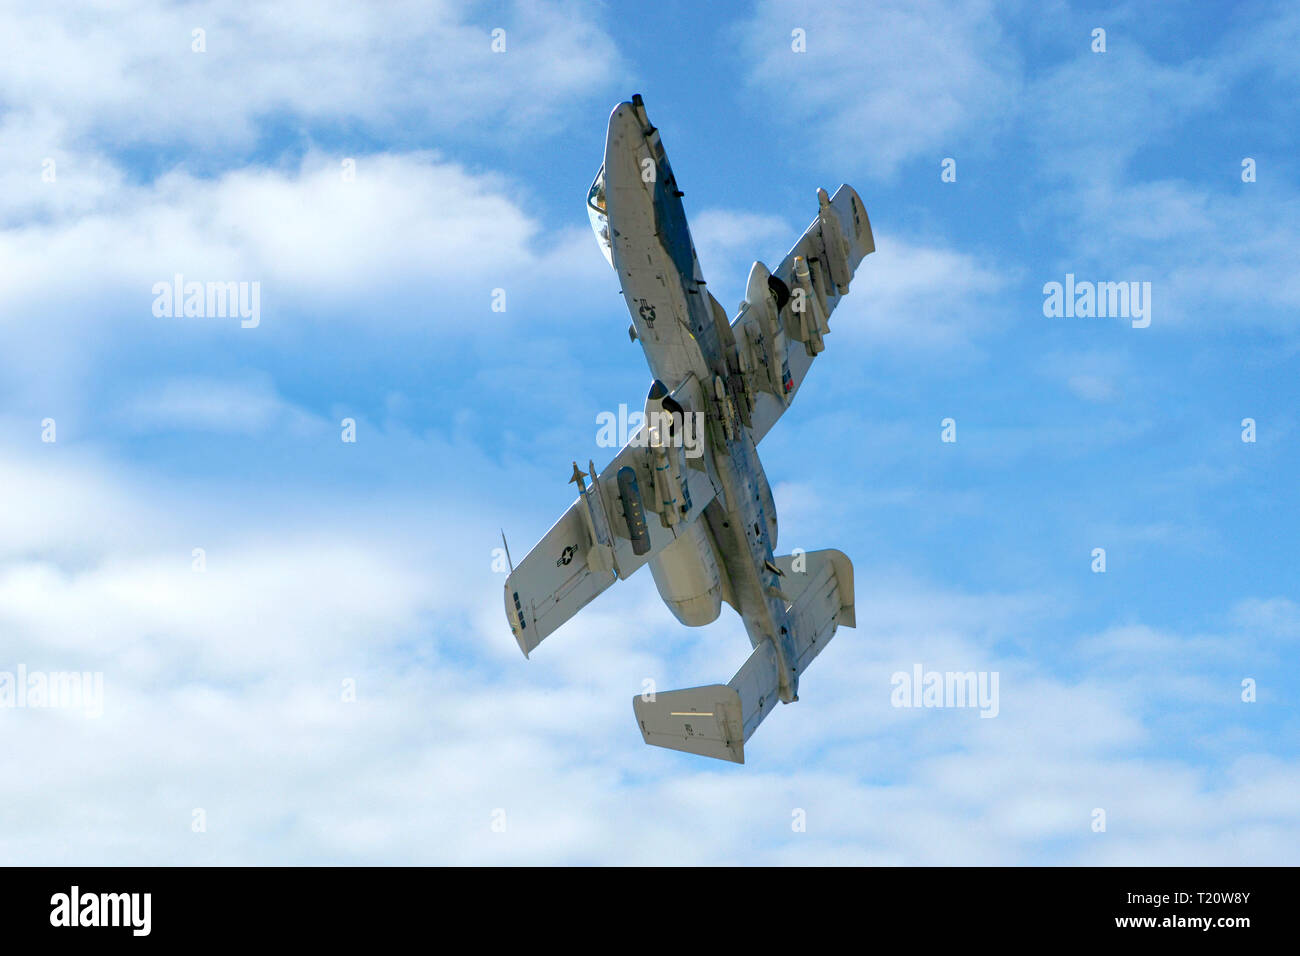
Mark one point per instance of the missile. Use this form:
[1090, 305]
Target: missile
[665, 420]
[811, 319]
[667, 488]
[600, 556]
[816, 280]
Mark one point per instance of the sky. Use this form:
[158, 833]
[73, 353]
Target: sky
[301, 640]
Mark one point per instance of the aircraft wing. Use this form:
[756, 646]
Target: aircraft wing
[596, 541]
[830, 251]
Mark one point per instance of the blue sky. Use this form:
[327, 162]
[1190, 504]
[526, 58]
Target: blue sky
[371, 562]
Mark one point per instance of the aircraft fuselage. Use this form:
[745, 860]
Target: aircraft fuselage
[685, 333]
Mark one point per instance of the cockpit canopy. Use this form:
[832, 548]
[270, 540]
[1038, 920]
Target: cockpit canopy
[599, 218]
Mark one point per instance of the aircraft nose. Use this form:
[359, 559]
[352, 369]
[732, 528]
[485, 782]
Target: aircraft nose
[624, 127]
[621, 111]
[623, 145]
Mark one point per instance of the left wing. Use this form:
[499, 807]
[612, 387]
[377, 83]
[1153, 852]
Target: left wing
[781, 336]
[623, 517]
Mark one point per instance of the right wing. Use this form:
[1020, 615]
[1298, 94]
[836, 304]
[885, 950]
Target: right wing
[783, 342]
[594, 543]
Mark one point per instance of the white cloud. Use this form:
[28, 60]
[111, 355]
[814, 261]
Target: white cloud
[223, 692]
[1279, 616]
[1095, 375]
[725, 232]
[414, 244]
[1214, 252]
[214, 405]
[130, 76]
[222, 688]
[918, 295]
[306, 231]
[881, 83]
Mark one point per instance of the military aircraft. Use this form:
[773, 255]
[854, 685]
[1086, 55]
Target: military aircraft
[704, 522]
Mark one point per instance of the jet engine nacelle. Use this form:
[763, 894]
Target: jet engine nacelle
[687, 576]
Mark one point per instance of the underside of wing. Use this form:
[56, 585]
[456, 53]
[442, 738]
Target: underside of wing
[639, 504]
[785, 317]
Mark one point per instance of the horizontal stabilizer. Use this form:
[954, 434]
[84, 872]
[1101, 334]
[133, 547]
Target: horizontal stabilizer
[699, 720]
[717, 720]
[819, 587]
[714, 721]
